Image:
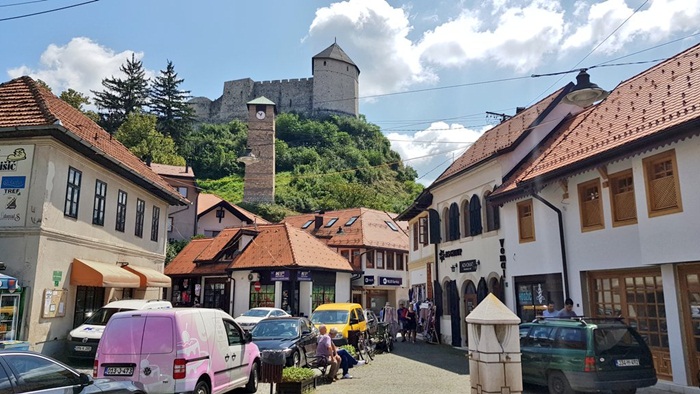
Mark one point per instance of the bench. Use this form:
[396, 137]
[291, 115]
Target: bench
[320, 363]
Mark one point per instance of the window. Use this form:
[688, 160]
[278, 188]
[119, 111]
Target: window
[70, 208]
[380, 260]
[183, 191]
[322, 294]
[351, 221]
[526, 224]
[263, 298]
[466, 218]
[307, 224]
[454, 222]
[232, 333]
[87, 301]
[591, 206]
[475, 216]
[38, 373]
[624, 208]
[98, 210]
[154, 224]
[415, 236]
[493, 215]
[369, 259]
[390, 260]
[331, 222]
[391, 225]
[140, 213]
[121, 211]
[663, 188]
[399, 261]
[446, 222]
[170, 224]
[423, 230]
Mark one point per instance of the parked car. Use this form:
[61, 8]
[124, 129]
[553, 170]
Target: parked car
[583, 354]
[198, 350]
[249, 319]
[297, 336]
[29, 372]
[83, 340]
[372, 321]
[344, 317]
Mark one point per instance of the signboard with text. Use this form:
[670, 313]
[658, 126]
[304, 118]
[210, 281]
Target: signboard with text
[15, 175]
[279, 275]
[369, 280]
[390, 281]
[467, 266]
[304, 276]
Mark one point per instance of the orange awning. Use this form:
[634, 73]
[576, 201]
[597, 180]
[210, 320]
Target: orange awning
[149, 277]
[94, 274]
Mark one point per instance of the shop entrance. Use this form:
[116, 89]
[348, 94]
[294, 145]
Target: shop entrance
[535, 291]
[689, 276]
[216, 294]
[376, 299]
[469, 305]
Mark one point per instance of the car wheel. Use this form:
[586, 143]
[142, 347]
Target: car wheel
[252, 385]
[557, 383]
[296, 359]
[201, 388]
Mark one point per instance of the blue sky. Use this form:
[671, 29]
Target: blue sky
[422, 62]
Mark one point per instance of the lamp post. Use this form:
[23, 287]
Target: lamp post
[585, 92]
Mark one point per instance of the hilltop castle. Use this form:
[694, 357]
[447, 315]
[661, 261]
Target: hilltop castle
[333, 89]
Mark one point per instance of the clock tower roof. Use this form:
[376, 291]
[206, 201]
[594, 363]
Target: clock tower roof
[262, 100]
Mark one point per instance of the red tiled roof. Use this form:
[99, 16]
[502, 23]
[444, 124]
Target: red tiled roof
[501, 137]
[369, 230]
[647, 105]
[183, 263]
[26, 105]
[217, 244]
[166, 169]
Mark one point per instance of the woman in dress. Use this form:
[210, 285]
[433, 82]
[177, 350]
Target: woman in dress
[410, 324]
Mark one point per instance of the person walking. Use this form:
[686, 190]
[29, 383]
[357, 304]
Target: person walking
[325, 349]
[401, 313]
[549, 312]
[410, 324]
[568, 310]
[347, 361]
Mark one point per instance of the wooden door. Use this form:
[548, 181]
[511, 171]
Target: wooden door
[689, 278]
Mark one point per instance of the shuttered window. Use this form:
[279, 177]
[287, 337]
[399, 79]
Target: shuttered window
[624, 207]
[662, 186]
[526, 224]
[591, 206]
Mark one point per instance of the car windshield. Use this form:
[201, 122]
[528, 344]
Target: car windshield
[102, 316]
[278, 329]
[616, 341]
[256, 313]
[329, 317]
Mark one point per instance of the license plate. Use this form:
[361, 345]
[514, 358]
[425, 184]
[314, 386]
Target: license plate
[633, 362]
[83, 348]
[119, 371]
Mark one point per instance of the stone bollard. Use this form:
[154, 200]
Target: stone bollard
[494, 348]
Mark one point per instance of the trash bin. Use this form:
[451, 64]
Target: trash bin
[272, 364]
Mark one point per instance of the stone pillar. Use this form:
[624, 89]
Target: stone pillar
[494, 348]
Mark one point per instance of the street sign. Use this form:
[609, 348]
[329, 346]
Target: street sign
[57, 275]
[257, 286]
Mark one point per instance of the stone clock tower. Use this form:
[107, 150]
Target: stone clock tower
[259, 181]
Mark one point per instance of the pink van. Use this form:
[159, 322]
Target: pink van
[178, 350]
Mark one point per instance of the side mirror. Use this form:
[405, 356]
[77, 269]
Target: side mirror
[247, 337]
[306, 332]
[84, 380]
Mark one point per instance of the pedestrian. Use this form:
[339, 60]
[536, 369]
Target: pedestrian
[410, 324]
[325, 349]
[549, 312]
[568, 310]
[401, 313]
[347, 361]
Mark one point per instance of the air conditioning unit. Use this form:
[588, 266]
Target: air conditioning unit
[253, 276]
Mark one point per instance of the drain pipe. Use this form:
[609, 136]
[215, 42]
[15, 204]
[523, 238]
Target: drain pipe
[564, 265]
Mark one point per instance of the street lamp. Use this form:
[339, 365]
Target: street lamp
[585, 92]
[249, 157]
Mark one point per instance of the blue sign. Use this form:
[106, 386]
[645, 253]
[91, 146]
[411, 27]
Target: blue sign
[13, 182]
[369, 280]
[389, 281]
[279, 275]
[304, 275]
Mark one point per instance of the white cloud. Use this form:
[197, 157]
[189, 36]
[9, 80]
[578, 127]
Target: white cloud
[81, 64]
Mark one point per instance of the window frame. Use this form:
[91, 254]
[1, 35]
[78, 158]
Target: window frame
[475, 221]
[122, 199]
[71, 204]
[155, 218]
[183, 190]
[614, 191]
[379, 262]
[531, 214]
[331, 222]
[582, 205]
[648, 164]
[369, 259]
[390, 260]
[140, 216]
[99, 203]
[416, 236]
[423, 230]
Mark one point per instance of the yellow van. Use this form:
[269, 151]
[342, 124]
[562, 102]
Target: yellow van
[344, 317]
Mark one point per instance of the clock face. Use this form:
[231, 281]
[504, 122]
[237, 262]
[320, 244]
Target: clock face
[260, 115]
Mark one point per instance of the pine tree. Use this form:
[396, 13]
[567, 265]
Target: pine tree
[169, 104]
[122, 96]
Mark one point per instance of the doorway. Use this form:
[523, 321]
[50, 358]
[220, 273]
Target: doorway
[689, 277]
[216, 294]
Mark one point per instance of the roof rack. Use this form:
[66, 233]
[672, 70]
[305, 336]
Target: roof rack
[582, 319]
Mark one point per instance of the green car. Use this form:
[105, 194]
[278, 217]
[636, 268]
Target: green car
[584, 354]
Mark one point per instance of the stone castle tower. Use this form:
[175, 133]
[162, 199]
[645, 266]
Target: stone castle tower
[333, 89]
[259, 179]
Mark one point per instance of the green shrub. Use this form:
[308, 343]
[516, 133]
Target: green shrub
[296, 374]
[350, 349]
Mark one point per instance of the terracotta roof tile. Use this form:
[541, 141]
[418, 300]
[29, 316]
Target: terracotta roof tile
[179, 171]
[501, 137]
[26, 105]
[647, 104]
[217, 244]
[368, 230]
[183, 263]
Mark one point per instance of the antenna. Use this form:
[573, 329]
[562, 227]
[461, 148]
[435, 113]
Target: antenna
[496, 115]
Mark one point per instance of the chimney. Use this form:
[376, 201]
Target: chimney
[519, 110]
[318, 221]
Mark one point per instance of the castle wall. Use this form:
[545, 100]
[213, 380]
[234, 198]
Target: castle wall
[289, 95]
[336, 87]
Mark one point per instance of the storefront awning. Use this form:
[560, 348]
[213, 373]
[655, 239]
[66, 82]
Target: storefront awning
[8, 283]
[94, 274]
[149, 277]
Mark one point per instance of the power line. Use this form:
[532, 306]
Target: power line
[22, 3]
[47, 11]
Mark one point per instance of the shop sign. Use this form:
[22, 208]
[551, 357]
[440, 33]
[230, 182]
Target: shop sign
[304, 275]
[443, 254]
[467, 266]
[369, 280]
[57, 275]
[390, 281]
[279, 275]
[15, 177]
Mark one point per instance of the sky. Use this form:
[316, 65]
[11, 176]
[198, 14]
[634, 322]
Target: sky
[430, 70]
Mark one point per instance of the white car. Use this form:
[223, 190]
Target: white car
[249, 319]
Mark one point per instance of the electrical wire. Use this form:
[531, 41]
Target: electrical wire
[22, 3]
[47, 11]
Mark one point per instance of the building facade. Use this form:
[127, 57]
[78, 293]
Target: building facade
[182, 220]
[332, 89]
[215, 214]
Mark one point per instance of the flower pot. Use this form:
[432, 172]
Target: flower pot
[296, 387]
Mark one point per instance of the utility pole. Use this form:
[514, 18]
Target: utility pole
[503, 117]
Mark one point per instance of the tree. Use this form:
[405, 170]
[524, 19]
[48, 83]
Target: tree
[213, 150]
[169, 104]
[121, 97]
[75, 99]
[139, 134]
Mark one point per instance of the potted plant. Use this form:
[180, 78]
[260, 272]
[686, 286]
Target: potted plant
[296, 380]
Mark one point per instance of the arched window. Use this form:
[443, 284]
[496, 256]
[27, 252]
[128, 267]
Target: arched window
[446, 224]
[493, 216]
[475, 216]
[454, 221]
[465, 218]
[446, 297]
